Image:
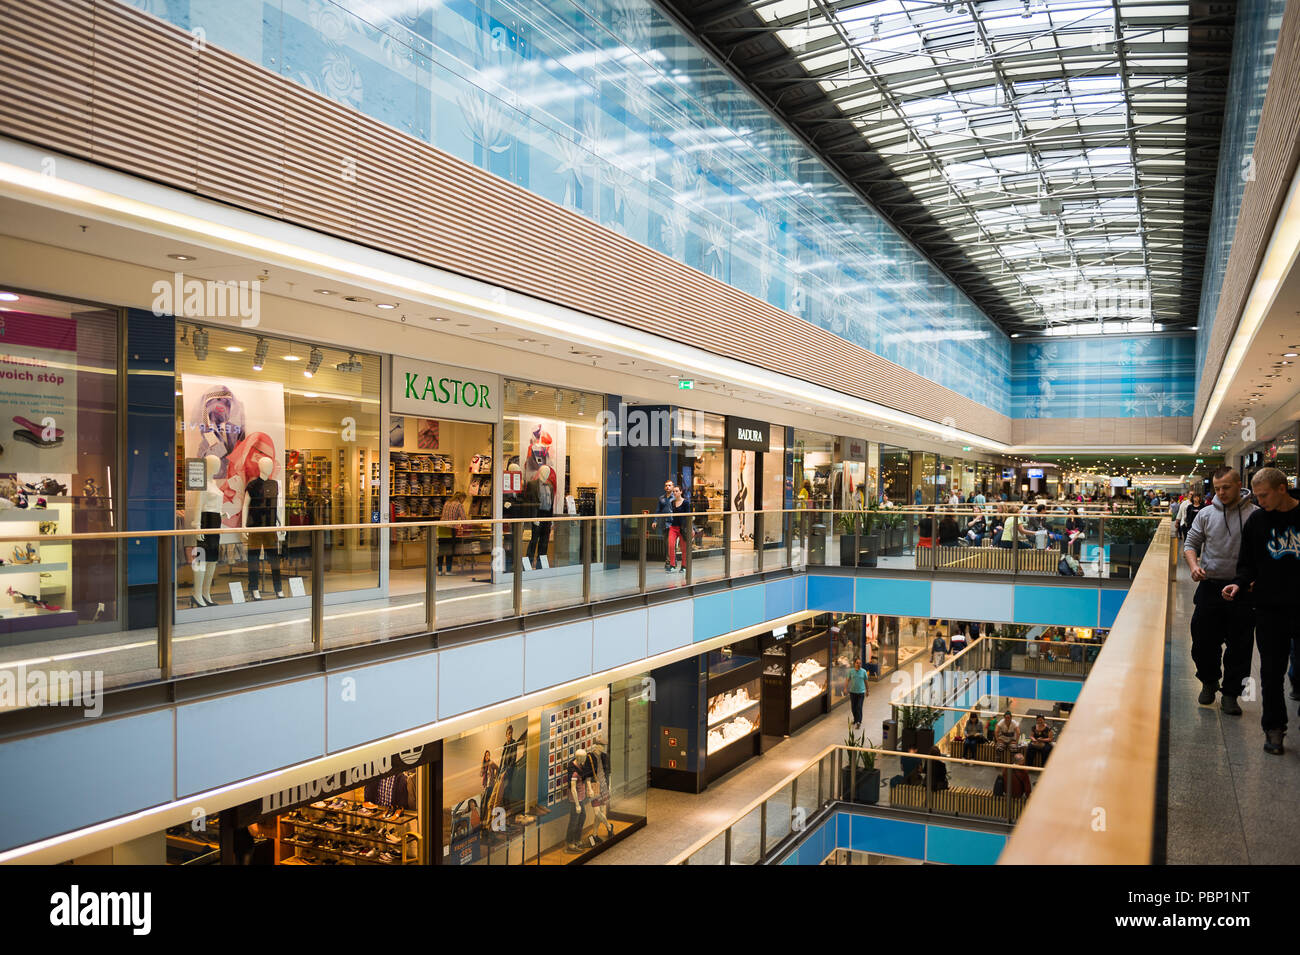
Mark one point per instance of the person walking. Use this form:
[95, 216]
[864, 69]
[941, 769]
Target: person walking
[1222, 630]
[665, 506]
[938, 650]
[678, 525]
[857, 690]
[1269, 565]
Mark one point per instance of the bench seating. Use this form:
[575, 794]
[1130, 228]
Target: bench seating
[997, 559]
[959, 800]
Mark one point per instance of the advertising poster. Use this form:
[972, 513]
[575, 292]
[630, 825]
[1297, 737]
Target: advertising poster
[482, 772]
[38, 393]
[240, 422]
[742, 495]
[577, 724]
[544, 445]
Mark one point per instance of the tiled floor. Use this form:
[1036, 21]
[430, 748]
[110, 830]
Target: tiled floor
[1229, 801]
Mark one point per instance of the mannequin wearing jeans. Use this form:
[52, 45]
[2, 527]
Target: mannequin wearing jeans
[577, 797]
[262, 508]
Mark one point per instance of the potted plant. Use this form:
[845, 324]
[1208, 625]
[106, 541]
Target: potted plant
[926, 717]
[849, 523]
[860, 779]
[1129, 538]
[907, 722]
[869, 547]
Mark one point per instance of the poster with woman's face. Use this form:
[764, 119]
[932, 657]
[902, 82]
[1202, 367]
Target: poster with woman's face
[239, 422]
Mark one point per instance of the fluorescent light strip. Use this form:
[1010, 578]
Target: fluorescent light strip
[1278, 259]
[136, 211]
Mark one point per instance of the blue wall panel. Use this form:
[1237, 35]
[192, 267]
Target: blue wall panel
[830, 593]
[712, 615]
[556, 655]
[1024, 687]
[963, 846]
[619, 638]
[972, 601]
[64, 780]
[480, 673]
[908, 598]
[1111, 601]
[1104, 377]
[1063, 691]
[779, 598]
[381, 700]
[243, 734]
[748, 606]
[671, 625]
[891, 837]
[1056, 606]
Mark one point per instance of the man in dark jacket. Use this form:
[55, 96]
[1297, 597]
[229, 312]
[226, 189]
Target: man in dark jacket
[1269, 566]
[665, 506]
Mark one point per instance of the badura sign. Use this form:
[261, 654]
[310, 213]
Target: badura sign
[444, 391]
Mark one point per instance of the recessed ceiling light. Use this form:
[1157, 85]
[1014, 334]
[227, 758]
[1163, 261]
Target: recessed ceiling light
[356, 298]
[527, 340]
[324, 291]
[234, 348]
[180, 257]
[383, 304]
[441, 318]
[462, 324]
[1289, 354]
[8, 297]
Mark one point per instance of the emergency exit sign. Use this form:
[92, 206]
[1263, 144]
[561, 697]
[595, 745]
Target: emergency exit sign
[685, 384]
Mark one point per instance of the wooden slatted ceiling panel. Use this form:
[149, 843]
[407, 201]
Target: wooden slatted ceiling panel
[1277, 149]
[45, 73]
[238, 106]
[267, 144]
[145, 108]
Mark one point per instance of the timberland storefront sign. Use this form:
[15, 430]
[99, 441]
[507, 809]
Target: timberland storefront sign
[444, 391]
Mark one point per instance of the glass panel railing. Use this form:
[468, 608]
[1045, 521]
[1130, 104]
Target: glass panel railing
[780, 814]
[616, 561]
[713, 853]
[474, 582]
[746, 839]
[708, 548]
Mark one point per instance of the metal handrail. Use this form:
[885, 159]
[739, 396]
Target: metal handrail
[682, 857]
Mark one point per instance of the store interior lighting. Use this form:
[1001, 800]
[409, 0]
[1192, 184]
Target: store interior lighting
[313, 363]
[259, 354]
[200, 340]
[351, 366]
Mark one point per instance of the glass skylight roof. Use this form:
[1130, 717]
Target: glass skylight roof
[1047, 138]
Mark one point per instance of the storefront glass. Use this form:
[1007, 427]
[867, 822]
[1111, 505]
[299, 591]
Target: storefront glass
[550, 785]
[774, 486]
[551, 436]
[58, 372]
[896, 476]
[702, 472]
[924, 467]
[272, 434]
[817, 473]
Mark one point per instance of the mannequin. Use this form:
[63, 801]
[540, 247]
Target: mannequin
[263, 508]
[598, 767]
[208, 518]
[577, 796]
[542, 490]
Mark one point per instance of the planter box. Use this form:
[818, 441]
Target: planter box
[866, 787]
[847, 548]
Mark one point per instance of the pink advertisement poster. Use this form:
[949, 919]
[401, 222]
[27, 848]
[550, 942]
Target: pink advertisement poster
[38, 393]
[239, 422]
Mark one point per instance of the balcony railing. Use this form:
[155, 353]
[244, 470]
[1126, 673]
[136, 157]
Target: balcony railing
[212, 600]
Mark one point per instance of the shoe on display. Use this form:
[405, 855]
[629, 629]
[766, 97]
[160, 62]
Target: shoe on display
[1229, 706]
[1273, 742]
[1206, 697]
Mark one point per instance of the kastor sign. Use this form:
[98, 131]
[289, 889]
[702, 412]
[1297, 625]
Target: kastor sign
[444, 391]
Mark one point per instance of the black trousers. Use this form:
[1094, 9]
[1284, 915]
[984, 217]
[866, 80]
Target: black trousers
[540, 542]
[1221, 630]
[855, 701]
[1275, 628]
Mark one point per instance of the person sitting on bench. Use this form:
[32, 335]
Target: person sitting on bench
[973, 736]
[1041, 741]
[1006, 735]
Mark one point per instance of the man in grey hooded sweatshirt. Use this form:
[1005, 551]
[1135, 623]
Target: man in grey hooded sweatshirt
[1211, 550]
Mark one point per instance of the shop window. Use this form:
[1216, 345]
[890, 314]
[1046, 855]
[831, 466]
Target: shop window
[702, 472]
[551, 785]
[273, 434]
[58, 448]
[551, 439]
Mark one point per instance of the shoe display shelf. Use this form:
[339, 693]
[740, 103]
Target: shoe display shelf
[346, 832]
[796, 680]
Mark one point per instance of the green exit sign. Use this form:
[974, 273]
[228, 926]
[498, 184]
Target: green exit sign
[685, 384]
[1216, 447]
[967, 448]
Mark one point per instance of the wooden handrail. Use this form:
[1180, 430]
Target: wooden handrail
[1097, 806]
